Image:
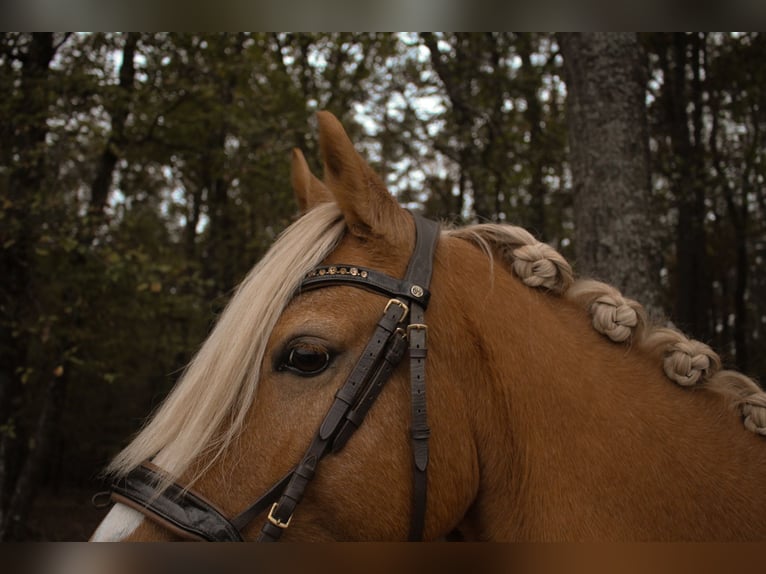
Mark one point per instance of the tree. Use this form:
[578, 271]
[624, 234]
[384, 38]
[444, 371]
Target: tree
[706, 121]
[503, 130]
[679, 103]
[615, 226]
[23, 325]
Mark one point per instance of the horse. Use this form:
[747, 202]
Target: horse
[528, 404]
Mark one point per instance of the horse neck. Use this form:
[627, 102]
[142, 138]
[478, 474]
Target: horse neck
[579, 438]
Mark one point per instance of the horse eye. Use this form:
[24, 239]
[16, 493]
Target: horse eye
[306, 361]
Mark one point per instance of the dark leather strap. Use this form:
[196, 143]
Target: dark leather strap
[355, 416]
[259, 506]
[421, 263]
[419, 273]
[364, 368]
[186, 513]
[282, 512]
[362, 277]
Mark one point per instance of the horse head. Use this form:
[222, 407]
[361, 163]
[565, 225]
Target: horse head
[250, 403]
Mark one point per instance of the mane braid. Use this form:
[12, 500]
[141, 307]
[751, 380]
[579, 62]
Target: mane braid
[686, 362]
[207, 407]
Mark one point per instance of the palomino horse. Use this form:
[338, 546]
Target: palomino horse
[555, 411]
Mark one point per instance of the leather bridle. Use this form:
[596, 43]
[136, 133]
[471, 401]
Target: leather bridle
[190, 516]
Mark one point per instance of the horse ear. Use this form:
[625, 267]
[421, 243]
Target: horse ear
[309, 191]
[367, 206]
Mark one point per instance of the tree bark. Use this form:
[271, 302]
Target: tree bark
[615, 227]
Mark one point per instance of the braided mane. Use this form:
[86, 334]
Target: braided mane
[685, 361]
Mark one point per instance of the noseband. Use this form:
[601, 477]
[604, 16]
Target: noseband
[189, 515]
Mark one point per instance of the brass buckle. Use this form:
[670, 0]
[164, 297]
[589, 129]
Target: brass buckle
[402, 306]
[276, 521]
[419, 327]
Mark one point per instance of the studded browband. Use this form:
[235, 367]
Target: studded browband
[189, 515]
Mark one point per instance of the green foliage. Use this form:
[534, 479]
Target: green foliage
[111, 298]
[502, 129]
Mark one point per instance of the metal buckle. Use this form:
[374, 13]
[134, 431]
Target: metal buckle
[419, 327]
[276, 521]
[402, 306]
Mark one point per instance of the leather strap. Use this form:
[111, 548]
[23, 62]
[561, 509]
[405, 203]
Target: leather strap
[282, 512]
[364, 368]
[329, 275]
[184, 512]
[355, 416]
[421, 263]
[419, 273]
[259, 506]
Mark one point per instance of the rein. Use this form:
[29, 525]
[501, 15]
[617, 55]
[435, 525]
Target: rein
[190, 516]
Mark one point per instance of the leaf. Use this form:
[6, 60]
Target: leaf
[26, 375]
[8, 429]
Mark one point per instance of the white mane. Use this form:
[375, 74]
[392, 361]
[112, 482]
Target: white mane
[207, 408]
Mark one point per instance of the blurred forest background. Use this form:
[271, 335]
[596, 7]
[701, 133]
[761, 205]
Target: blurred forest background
[143, 174]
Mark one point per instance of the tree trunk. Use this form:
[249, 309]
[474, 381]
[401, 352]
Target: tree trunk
[529, 85]
[25, 489]
[453, 75]
[20, 487]
[102, 183]
[615, 227]
[693, 292]
[738, 214]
